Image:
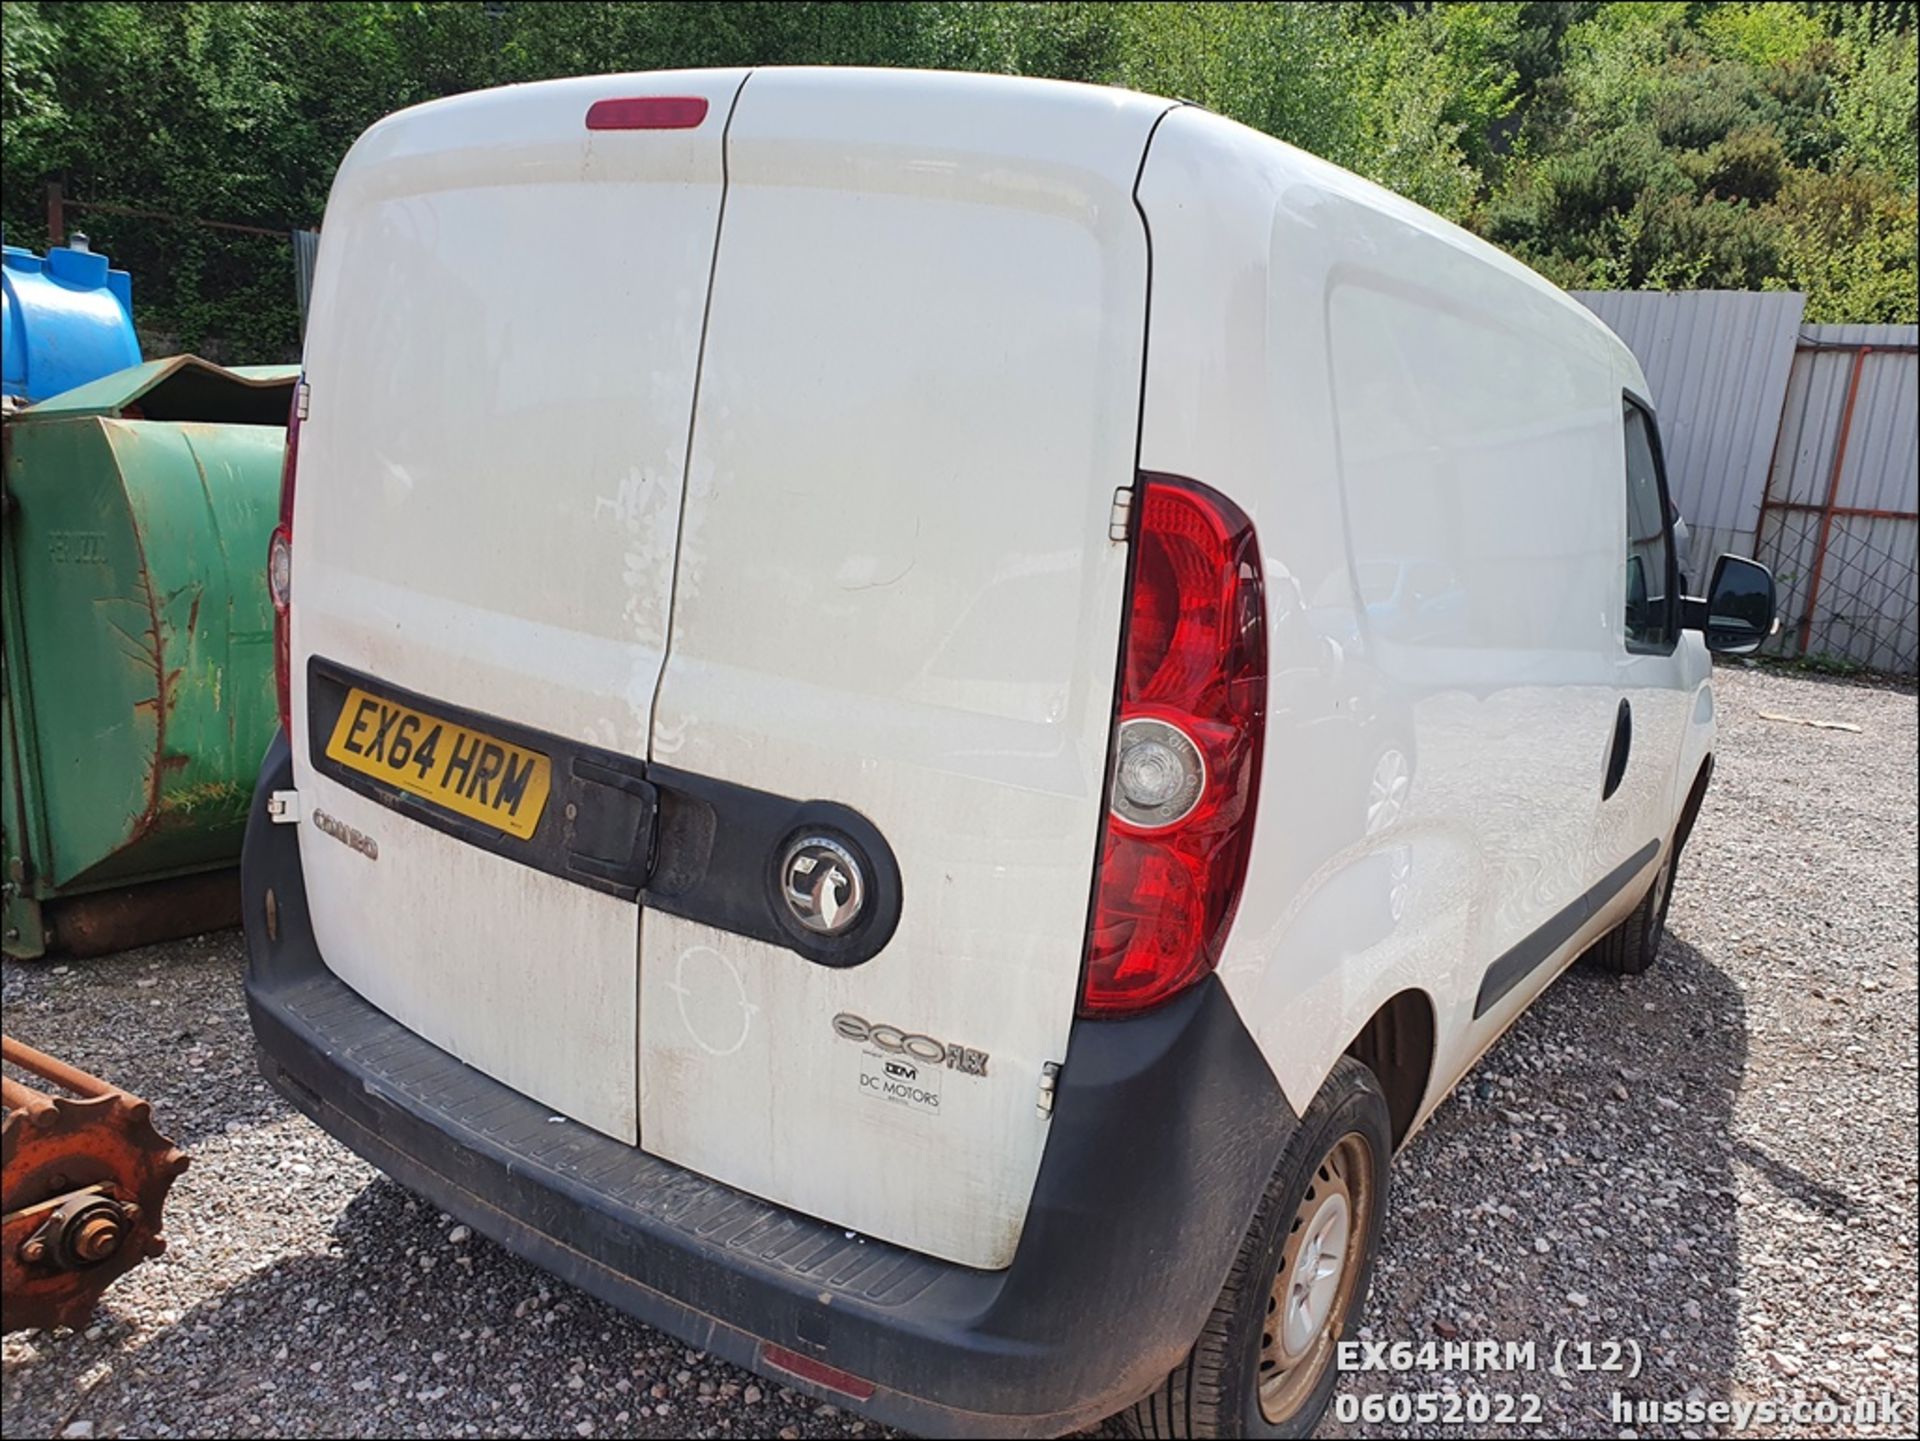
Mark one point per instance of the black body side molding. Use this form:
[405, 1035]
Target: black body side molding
[1519, 962]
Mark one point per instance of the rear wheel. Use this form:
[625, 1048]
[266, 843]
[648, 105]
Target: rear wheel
[1630, 947]
[1264, 1363]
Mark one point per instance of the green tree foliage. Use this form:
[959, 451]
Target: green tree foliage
[1735, 146]
[1669, 144]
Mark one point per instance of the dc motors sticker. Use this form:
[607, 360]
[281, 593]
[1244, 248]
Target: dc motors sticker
[900, 1081]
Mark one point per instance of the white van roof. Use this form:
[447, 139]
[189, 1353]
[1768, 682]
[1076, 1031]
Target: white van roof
[1290, 168]
[471, 125]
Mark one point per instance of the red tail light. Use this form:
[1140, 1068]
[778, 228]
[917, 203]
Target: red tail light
[280, 562]
[1187, 742]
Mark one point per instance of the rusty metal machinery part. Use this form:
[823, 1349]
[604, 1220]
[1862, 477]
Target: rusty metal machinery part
[82, 1182]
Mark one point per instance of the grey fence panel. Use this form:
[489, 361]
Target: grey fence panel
[1809, 428]
[1844, 543]
[1882, 471]
[1718, 363]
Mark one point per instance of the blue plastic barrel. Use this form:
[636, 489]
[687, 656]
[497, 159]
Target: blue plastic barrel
[66, 319]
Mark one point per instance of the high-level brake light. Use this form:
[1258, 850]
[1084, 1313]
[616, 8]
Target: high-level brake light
[648, 112]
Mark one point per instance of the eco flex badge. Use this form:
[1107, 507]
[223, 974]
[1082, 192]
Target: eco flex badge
[903, 1067]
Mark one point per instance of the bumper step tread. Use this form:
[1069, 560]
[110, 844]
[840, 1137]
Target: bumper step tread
[397, 1061]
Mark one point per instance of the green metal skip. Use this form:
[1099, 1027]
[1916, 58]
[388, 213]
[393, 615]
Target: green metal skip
[138, 649]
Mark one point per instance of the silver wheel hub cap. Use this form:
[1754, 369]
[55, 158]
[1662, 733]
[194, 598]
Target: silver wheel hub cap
[1316, 1276]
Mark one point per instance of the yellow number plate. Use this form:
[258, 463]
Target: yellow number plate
[469, 772]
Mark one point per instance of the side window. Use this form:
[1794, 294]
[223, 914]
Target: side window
[1649, 544]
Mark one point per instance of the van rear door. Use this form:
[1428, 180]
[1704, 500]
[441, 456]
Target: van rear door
[897, 592]
[501, 358]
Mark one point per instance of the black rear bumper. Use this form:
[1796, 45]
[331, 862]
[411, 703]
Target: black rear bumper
[1164, 1132]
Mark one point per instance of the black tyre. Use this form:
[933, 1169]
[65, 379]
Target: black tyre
[1264, 1363]
[1630, 947]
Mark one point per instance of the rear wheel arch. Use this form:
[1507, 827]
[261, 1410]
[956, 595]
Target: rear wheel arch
[1690, 812]
[1244, 1375]
[1397, 1045]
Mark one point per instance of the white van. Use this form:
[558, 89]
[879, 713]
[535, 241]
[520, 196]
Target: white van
[925, 714]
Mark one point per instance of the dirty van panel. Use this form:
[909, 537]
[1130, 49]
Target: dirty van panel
[897, 593]
[501, 361]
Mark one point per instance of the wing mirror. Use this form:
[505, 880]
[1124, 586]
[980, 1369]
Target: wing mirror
[1739, 613]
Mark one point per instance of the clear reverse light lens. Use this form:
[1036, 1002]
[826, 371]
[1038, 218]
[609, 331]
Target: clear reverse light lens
[1158, 773]
[1150, 774]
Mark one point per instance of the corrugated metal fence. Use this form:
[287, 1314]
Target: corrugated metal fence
[1841, 517]
[1799, 446]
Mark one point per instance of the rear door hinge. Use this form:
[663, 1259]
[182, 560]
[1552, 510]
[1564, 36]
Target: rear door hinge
[283, 807]
[1049, 1079]
[1119, 520]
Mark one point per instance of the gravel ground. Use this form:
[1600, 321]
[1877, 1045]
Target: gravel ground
[1715, 1161]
